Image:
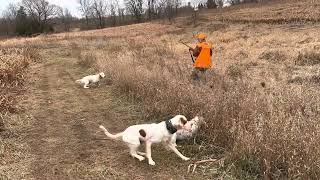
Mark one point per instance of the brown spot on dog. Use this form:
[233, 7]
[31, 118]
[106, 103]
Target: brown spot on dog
[183, 121]
[142, 133]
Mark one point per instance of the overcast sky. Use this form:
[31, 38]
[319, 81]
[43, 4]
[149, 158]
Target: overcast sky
[72, 5]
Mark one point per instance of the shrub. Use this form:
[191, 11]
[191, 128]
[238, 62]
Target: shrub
[308, 58]
[87, 60]
[273, 56]
[13, 62]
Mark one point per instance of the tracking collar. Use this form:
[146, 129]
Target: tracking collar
[170, 127]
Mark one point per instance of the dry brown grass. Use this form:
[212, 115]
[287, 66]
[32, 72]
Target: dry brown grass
[87, 60]
[308, 58]
[273, 12]
[13, 63]
[266, 126]
[260, 101]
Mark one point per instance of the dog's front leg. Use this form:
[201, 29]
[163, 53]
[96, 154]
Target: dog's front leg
[174, 139]
[175, 150]
[148, 151]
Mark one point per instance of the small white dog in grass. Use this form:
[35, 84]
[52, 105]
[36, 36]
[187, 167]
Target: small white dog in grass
[90, 79]
[151, 133]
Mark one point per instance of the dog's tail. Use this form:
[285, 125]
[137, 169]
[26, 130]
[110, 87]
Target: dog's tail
[112, 136]
[78, 81]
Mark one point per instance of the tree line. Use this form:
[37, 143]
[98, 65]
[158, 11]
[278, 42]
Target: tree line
[39, 16]
[33, 16]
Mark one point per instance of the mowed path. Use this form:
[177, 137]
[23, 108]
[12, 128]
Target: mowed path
[64, 137]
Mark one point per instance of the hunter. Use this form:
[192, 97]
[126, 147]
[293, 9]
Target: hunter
[203, 54]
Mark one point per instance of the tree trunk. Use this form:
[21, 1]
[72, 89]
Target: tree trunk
[87, 21]
[100, 21]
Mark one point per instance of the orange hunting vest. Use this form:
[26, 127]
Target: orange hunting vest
[204, 58]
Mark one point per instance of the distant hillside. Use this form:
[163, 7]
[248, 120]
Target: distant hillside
[277, 11]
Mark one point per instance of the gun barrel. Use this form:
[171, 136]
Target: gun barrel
[186, 44]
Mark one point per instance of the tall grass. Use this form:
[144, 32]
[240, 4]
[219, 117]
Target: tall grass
[265, 132]
[13, 64]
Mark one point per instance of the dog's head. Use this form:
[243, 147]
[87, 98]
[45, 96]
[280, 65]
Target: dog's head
[180, 122]
[102, 75]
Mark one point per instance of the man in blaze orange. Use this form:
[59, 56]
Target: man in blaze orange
[203, 54]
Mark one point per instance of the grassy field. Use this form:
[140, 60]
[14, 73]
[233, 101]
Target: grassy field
[261, 100]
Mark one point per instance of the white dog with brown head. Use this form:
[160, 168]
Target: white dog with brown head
[150, 134]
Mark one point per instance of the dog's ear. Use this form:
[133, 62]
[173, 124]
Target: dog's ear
[183, 121]
[142, 133]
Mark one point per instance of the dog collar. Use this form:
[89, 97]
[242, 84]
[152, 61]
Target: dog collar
[170, 127]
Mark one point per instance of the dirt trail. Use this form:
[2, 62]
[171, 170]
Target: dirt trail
[64, 137]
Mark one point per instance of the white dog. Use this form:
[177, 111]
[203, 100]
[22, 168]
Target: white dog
[182, 134]
[151, 133]
[90, 79]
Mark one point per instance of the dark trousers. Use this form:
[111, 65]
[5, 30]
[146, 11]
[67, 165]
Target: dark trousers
[198, 72]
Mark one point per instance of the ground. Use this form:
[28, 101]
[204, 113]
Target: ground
[260, 103]
[60, 138]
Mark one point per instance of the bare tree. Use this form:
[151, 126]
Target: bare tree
[98, 11]
[167, 8]
[9, 18]
[66, 18]
[121, 15]
[160, 8]
[211, 4]
[177, 4]
[151, 8]
[113, 6]
[135, 8]
[41, 11]
[172, 8]
[219, 3]
[85, 7]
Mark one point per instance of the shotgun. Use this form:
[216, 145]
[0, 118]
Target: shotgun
[189, 50]
[186, 44]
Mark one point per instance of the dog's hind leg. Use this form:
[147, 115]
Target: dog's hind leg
[133, 152]
[86, 84]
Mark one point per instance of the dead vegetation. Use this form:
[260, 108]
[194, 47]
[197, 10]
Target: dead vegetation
[266, 125]
[280, 12]
[308, 58]
[13, 64]
[262, 117]
[274, 56]
[87, 60]
[266, 132]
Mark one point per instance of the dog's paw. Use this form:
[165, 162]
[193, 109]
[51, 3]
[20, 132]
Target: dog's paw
[186, 159]
[141, 158]
[152, 163]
